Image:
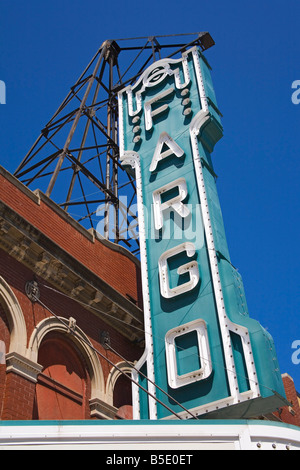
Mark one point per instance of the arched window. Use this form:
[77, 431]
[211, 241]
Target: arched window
[13, 320]
[4, 335]
[122, 396]
[4, 346]
[119, 390]
[63, 386]
[122, 392]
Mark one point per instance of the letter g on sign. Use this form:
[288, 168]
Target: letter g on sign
[190, 268]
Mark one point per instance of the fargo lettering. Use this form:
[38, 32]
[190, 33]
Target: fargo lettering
[200, 344]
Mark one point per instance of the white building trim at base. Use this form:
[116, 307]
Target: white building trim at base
[174, 436]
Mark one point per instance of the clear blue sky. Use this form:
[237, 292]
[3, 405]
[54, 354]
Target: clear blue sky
[46, 44]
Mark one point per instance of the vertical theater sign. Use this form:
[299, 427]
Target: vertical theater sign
[201, 346]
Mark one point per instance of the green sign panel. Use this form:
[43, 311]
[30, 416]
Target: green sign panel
[201, 346]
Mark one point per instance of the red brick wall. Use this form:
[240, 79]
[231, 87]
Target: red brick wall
[16, 275]
[113, 267]
[18, 399]
[17, 395]
[5, 337]
[2, 385]
[290, 415]
[18, 402]
[4, 328]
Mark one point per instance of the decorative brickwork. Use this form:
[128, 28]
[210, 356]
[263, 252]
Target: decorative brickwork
[52, 363]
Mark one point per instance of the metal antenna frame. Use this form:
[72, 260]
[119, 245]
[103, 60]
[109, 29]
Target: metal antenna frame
[77, 152]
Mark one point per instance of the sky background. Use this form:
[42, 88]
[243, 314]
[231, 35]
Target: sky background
[45, 45]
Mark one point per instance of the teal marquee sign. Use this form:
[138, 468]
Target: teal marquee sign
[201, 346]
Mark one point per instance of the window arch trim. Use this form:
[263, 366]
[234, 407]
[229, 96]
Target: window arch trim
[113, 377]
[15, 318]
[52, 324]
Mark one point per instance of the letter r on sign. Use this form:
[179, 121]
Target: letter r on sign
[174, 202]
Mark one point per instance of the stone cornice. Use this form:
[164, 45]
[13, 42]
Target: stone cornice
[22, 366]
[37, 196]
[28, 245]
[101, 410]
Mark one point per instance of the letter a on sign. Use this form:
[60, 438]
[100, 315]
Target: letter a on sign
[159, 155]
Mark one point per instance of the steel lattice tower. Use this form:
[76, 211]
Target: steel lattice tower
[75, 159]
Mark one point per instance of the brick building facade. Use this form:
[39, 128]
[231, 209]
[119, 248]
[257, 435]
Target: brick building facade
[54, 363]
[290, 414]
